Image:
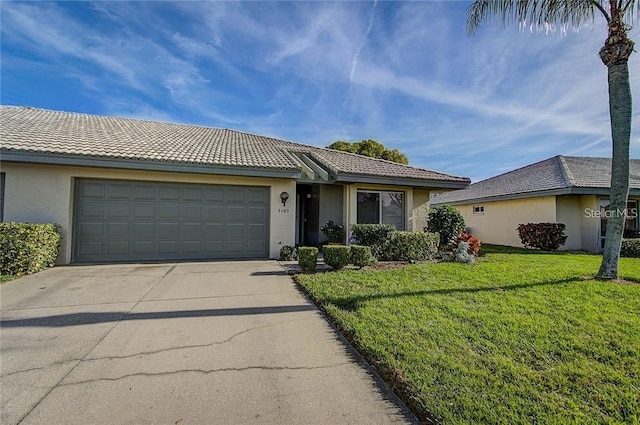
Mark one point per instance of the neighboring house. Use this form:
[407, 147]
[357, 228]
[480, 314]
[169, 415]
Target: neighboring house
[562, 189]
[133, 190]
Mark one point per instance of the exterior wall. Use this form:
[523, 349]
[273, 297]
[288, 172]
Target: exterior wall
[568, 212]
[350, 197]
[589, 226]
[44, 194]
[420, 212]
[500, 220]
[331, 206]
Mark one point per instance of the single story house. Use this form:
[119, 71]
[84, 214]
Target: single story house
[134, 190]
[562, 189]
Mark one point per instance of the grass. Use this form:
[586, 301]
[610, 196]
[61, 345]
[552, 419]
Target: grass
[519, 337]
[6, 278]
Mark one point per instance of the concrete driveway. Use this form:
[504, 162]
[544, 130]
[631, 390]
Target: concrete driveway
[186, 343]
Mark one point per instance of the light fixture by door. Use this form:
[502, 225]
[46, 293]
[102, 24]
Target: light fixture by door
[283, 197]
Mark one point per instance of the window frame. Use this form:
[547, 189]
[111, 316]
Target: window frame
[380, 205]
[478, 209]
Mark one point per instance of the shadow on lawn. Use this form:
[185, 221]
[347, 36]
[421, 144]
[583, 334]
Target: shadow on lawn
[353, 303]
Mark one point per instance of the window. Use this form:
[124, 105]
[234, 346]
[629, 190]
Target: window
[1, 196]
[381, 208]
[478, 209]
[631, 224]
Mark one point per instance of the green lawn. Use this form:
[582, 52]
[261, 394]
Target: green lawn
[6, 278]
[516, 338]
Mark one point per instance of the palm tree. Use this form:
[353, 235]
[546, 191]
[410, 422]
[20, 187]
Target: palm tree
[615, 55]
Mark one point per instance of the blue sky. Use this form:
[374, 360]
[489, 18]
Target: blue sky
[403, 73]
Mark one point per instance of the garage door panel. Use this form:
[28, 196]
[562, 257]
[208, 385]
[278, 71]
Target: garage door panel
[118, 210]
[92, 210]
[144, 210]
[214, 194]
[144, 192]
[168, 230]
[169, 211]
[91, 230]
[89, 248]
[143, 247]
[143, 230]
[168, 247]
[118, 230]
[191, 212]
[133, 220]
[236, 195]
[117, 248]
[120, 191]
[236, 214]
[169, 193]
[213, 213]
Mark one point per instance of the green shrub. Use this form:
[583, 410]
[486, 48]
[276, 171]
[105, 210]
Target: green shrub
[373, 235]
[411, 246]
[333, 232]
[630, 248]
[308, 258]
[336, 256]
[544, 236]
[27, 248]
[288, 253]
[361, 256]
[446, 221]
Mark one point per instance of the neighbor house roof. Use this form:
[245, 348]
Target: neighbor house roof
[554, 176]
[37, 135]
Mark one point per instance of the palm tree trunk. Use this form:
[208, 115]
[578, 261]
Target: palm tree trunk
[620, 113]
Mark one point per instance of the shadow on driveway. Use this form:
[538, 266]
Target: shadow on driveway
[75, 319]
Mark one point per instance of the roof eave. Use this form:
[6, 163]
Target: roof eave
[399, 181]
[146, 165]
[599, 191]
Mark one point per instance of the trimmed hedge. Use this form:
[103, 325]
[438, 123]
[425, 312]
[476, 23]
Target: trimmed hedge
[361, 256]
[308, 258]
[544, 236]
[336, 256]
[411, 246]
[630, 248]
[373, 235]
[27, 248]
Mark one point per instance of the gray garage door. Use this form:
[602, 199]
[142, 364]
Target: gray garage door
[130, 221]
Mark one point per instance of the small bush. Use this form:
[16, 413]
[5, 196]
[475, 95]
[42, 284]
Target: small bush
[361, 256]
[333, 232]
[288, 253]
[27, 248]
[336, 256]
[446, 221]
[630, 248]
[544, 236]
[410, 246]
[474, 243]
[308, 258]
[462, 253]
[373, 235]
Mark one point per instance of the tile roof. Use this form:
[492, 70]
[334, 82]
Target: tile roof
[557, 173]
[39, 131]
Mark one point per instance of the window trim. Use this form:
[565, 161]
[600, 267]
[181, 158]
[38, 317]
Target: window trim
[3, 179]
[380, 215]
[478, 209]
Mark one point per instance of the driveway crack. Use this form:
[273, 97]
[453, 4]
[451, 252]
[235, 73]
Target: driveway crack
[207, 372]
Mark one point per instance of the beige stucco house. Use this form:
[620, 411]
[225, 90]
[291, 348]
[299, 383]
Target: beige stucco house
[562, 189]
[133, 190]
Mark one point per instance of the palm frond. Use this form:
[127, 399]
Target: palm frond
[536, 13]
